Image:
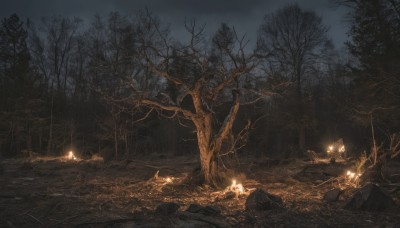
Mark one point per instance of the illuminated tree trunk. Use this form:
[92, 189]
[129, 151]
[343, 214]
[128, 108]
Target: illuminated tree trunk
[208, 164]
[210, 144]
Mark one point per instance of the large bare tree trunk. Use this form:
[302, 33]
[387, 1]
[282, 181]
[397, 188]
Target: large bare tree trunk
[208, 163]
[210, 145]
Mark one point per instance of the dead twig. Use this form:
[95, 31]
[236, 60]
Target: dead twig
[63, 221]
[34, 218]
[327, 181]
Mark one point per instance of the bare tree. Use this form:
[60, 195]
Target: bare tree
[203, 78]
[291, 40]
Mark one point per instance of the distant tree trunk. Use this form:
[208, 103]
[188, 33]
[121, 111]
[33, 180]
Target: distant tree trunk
[302, 139]
[40, 141]
[115, 139]
[126, 146]
[50, 142]
[12, 137]
[29, 141]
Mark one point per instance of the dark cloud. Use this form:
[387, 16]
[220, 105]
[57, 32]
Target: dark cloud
[245, 15]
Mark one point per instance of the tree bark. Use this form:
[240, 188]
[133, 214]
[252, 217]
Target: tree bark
[210, 145]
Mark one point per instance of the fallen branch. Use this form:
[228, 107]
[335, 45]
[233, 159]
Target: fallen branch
[327, 181]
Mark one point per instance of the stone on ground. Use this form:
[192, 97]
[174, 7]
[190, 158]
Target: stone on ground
[370, 198]
[167, 208]
[207, 210]
[332, 195]
[259, 200]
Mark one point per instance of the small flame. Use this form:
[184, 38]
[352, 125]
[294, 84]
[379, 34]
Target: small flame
[237, 188]
[353, 177]
[330, 148]
[71, 156]
[350, 174]
[168, 179]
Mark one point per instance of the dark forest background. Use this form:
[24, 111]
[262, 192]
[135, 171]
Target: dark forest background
[62, 80]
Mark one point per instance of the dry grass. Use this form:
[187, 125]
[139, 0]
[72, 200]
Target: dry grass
[58, 192]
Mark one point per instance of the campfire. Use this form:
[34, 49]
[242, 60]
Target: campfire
[71, 156]
[336, 150]
[158, 182]
[236, 188]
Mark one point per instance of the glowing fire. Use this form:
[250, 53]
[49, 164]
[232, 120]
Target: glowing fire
[71, 156]
[353, 178]
[238, 189]
[341, 149]
[163, 180]
[168, 180]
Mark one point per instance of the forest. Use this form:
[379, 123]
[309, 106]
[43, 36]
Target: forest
[118, 103]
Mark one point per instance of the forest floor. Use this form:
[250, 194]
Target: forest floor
[56, 192]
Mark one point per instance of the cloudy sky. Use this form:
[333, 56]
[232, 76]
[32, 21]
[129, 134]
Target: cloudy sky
[244, 15]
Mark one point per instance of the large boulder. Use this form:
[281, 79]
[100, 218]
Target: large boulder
[167, 208]
[370, 198]
[259, 200]
[207, 210]
[332, 195]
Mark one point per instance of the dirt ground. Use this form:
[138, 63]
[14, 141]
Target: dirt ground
[56, 192]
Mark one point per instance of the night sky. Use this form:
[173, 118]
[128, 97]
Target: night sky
[244, 15]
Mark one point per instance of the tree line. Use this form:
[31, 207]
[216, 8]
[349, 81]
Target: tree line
[123, 86]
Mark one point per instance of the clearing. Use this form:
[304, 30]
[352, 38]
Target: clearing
[57, 192]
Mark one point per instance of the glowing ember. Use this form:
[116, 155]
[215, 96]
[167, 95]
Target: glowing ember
[163, 180]
[168, 179]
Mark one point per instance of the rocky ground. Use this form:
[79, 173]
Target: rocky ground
[57, 192]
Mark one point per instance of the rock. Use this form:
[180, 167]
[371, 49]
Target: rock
[260, 200]
[188, 219]
[207, 210]
[212, 211]
[229, 195]
[370, 198]
[332, 195]
[167, 208]
[194, 208]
